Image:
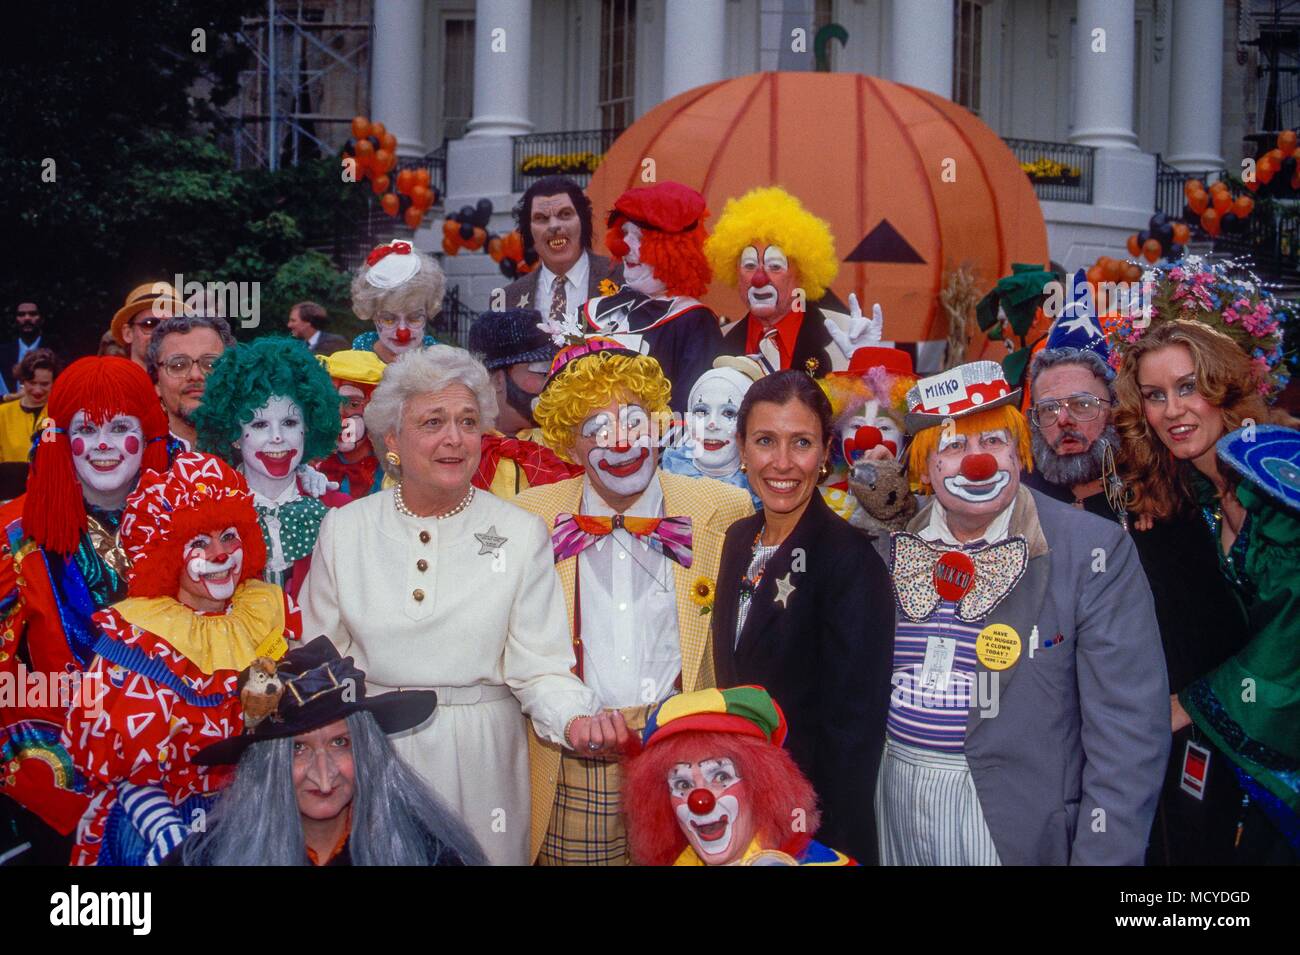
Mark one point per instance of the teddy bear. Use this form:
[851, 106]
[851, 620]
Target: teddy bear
[885, 502]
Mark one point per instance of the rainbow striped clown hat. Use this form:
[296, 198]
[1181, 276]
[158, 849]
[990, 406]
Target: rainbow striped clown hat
[747, 710]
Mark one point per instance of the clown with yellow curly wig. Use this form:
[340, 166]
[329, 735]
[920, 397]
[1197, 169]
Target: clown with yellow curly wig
[657, 234]
[782, 260]
[631, 542]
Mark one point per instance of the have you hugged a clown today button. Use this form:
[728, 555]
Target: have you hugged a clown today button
[997, 646]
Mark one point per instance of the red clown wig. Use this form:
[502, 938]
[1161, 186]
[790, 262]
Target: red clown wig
[199, 494]
[54, 513]
[780, 795]
[671, 218]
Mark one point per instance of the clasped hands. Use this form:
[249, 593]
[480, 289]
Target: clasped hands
[603, 734]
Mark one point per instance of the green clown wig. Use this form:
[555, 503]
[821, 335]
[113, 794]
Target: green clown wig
[247, 376]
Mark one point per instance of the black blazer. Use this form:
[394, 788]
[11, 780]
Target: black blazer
[811, 342]
[329, 343]
[826, 657]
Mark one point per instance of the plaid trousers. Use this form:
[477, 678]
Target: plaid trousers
[586, 826]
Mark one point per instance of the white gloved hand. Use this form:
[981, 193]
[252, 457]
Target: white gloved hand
[314, 482]
[862, 332]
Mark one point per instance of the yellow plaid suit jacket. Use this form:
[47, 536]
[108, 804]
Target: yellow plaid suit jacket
[712, 507]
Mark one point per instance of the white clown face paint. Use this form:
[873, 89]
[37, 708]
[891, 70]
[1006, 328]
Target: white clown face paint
[870, 417]
[615, 446]
[106, 457]
[636, 273]
[213, 565]
[711, 803]
[975, 475]
[271, 444]
[353, 430]
[767, 281]
[400, 333]
[713, 407]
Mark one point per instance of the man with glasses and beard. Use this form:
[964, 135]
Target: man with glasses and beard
[1071, 430]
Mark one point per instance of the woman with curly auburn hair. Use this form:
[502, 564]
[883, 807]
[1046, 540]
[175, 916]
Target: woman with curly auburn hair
[1183, 386]
[268, 408]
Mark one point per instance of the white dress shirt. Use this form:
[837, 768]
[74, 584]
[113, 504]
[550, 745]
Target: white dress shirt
[315, 337]
[937, 529]
[632, 652]
[575, 287]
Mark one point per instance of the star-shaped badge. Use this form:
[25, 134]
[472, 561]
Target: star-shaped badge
[523, 300]
[490, 542]
[783, 590]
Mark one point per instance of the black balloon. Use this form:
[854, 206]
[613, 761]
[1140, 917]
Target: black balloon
[483, 212]
[1157, 220]
[1229, 223]
[466, 214]
[509, 268]
[1288, 169]
[1175, 251]
[1164, 234]
[1142, 238]
[466, 230]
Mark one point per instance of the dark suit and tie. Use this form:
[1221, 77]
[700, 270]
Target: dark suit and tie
[819, 635]
[522, 292]
[328, 343]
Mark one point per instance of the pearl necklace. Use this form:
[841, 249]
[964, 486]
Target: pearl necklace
[403, 509]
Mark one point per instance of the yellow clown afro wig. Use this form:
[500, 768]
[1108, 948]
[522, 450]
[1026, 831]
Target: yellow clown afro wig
[595, 381]
[773, 216]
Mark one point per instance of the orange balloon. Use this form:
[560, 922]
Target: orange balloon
[422, 176]
[1251, 184]
[1182, 232]
[1192, 185]
[1198, 201]
[379, 184]
[1133, 247]
[1218, 186]
[1132, 272]
[365, 149]
[419, 195]
[413, 217]
[450, 228]
[494, 248]
[377, 130]
[388, 141]
[405, 180]
[1265, 170]
[1222, 201]
[360, 127]
[1210, 221]
[1095, 275]
[1112, 270]
[1151, 250]
[383, 160]
[1276, 156]
[480, 236]
[1286, 141]
[1243, 206]
[390, 202]
[449, 246]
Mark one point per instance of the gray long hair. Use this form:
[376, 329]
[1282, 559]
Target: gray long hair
[396, 820]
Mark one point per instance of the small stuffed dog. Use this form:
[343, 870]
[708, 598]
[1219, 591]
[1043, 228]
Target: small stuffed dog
[260, 690]
[885, 501]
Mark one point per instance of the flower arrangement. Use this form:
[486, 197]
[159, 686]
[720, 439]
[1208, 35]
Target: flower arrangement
[1211, 293]
[1043, 169]
[608, 287]
[560, 164]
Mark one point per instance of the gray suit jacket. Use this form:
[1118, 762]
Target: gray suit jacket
[1070, 759]
[598, 269]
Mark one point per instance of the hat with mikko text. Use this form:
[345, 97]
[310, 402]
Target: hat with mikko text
[964, 390]
[747, 710]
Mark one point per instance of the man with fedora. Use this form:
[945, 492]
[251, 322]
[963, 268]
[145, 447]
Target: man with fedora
[145, 306]
[517, 355]
[1029, 724]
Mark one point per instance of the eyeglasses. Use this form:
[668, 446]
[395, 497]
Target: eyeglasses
[149, 322]
[178, 366]
[1082, 407]
[388, 320]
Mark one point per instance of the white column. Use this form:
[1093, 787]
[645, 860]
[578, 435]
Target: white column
[501, 68]
[397, 73]
[1103, 107]
[694, 44]
[1196, 86]
[920, 44]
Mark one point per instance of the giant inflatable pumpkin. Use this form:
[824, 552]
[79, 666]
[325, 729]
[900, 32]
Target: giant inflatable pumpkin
[911, 183]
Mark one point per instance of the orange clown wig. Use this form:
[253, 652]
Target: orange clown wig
[1004, 417]
[671, 219]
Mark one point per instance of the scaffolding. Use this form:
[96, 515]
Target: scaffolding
[310, 76]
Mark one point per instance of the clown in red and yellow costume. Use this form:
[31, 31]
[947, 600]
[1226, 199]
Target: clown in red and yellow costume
[354, 465]
[59, 564]
[657, 234]
[168, 659]
[712, 785]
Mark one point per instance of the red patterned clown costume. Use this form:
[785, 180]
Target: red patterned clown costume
[165, 674]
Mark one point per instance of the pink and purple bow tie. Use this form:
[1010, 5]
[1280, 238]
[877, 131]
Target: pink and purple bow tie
[574, 533]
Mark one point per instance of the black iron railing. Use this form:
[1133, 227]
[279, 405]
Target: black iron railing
[574, 154]
[1172, 200]
[434, 161]
[451, 326]
[1060, 172]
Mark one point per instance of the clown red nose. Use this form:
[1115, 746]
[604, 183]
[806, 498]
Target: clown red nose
[701, 801]
[979, 467]
[220, 558]
[760, 278]
[403, 336]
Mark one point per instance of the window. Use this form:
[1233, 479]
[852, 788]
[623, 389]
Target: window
[967, 38]
[457, 76]
[617, 63]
